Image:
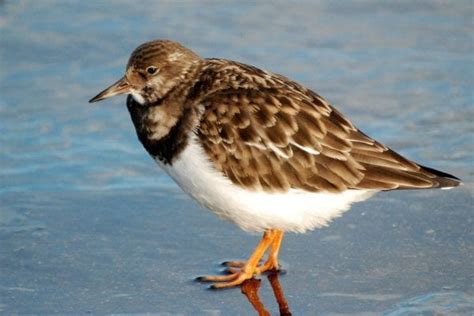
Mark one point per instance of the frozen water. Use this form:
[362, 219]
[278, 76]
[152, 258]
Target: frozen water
[88, 223]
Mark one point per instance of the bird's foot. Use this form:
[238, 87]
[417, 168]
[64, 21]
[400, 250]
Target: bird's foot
[235, 278]
[270, 265]
[241, 271]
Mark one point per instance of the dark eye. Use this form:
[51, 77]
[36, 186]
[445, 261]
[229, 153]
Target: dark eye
[151, 70]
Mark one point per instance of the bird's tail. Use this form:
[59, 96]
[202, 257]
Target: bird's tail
[442, 179]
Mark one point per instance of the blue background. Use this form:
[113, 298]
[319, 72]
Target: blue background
[88, 223]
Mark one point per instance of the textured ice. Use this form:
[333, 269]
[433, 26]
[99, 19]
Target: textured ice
[89, 224]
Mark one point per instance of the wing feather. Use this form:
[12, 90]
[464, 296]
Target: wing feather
[265, 132]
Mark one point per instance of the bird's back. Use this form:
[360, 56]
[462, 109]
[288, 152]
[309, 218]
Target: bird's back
[266, 132]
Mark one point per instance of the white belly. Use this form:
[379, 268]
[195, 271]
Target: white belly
[295, 211]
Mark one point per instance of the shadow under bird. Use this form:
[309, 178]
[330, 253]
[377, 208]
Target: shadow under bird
[256, 148]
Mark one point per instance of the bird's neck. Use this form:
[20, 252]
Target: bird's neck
[164, 127]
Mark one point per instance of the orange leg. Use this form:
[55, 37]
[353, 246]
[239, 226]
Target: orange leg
[272, 261]
[248, 269]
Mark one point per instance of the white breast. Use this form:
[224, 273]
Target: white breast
[295, 211]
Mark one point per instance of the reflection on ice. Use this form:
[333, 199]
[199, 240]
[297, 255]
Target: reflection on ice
[250, 289]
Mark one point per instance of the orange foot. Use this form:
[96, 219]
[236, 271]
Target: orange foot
[241, 271]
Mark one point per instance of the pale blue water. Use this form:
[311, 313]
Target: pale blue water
[88, 223]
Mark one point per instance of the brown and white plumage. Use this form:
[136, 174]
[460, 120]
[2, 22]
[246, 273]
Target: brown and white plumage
[265, 132]
[255, 147]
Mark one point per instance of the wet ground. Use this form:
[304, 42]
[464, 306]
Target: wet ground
[89, 224]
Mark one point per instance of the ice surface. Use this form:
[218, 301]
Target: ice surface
[89, 224]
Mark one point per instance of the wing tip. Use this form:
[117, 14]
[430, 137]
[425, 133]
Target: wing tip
[444, 180]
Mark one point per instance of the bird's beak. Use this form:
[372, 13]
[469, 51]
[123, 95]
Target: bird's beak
[120, 87]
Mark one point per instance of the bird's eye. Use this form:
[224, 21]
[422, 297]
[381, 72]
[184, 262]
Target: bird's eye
[151, 70]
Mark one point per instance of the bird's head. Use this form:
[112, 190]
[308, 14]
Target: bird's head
[153, 69]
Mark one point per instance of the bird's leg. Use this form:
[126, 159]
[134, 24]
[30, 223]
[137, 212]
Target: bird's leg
[249, 268]
[272, 261]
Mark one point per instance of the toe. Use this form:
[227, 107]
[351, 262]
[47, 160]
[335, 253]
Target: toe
[241, 278]
[232, 270]
[268, 266]
[233, 264]
[217, 278]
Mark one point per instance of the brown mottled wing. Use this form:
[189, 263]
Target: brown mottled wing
[265, 132]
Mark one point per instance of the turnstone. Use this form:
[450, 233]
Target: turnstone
[256, 148]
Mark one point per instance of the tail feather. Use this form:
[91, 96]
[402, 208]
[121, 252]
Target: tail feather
[442, 179]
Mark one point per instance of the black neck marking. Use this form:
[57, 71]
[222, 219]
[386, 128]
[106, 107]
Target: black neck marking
[168, 148]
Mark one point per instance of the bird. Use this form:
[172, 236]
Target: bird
[256, 148]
